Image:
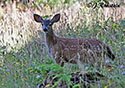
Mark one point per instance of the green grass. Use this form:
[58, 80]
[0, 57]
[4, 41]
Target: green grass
[27, 62]
[18, 70]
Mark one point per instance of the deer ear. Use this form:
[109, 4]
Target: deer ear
[56, 18]
[37, 18]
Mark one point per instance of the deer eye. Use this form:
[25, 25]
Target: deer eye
[50, 24]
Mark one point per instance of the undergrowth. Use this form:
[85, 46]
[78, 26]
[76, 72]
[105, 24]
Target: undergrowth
[27, 64]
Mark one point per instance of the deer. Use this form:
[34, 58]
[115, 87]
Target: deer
[63, 50]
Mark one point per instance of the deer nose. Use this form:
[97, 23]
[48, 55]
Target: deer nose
[45, 29]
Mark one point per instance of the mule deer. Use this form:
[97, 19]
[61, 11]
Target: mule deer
[71, 50]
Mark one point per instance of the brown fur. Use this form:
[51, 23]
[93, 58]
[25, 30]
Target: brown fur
[71, 50]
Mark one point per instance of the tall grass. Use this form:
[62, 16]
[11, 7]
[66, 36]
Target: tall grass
[24, 60]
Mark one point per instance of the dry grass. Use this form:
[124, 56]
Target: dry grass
[25, 48]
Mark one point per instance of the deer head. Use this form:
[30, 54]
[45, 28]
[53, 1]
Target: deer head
[47, 23]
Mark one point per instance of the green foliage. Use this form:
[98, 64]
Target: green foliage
[62, 76]
[76, 86]
[51, 3]
[48, 70]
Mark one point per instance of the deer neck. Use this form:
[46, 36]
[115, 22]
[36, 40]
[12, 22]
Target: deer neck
[50, 39]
